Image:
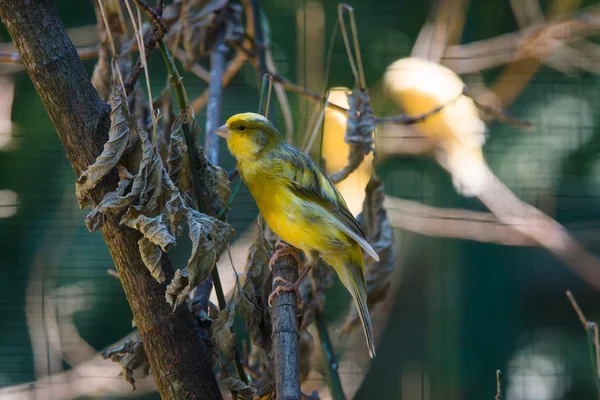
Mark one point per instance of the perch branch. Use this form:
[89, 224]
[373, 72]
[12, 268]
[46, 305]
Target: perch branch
[285, 331]
[172, 340]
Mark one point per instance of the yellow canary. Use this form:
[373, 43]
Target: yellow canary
[419, 86]
[300, 204]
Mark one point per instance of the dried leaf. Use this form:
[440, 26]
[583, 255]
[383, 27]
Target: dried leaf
[111, 204]
[177, 149]
[201, 19]
[377, 227]
[251, 298]
[359, 132]
[118, 137]
[242, 390]
[153, 228]
[221, 333]
[178, 289]
[131, 356]
[101, 77]
[164, 103]
[215, 188]
[151, 255]
[223, 187]
[209, 238]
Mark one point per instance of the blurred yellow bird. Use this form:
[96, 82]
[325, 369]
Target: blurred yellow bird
[301, 205]
[419, 86]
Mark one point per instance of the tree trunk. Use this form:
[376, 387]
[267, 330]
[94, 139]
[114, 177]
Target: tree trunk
[180, 365]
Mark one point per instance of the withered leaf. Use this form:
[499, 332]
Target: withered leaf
[164, 103]
[377, 227]
[101, 77]
[200, 20]
[209, 238]
[215, 185]
[221, 333]
[111, 204]
[177, 149]
[359, 132]
[242, 390]
[252, 297]
[153, 228]
[118, 137]
[178, 289]
[151, 254]
[132, 356]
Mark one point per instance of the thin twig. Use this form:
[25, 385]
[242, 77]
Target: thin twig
[112, 43]
[357, 68]
[331, 366]
[591, 329]
[498, 385]
[155, 34]
[137, 31]
[577, 309]
[498, 113]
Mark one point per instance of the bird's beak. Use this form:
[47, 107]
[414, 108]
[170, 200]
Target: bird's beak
[222, 131]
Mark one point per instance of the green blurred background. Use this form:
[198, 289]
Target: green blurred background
[462, 309]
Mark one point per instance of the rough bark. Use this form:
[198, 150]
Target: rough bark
[178, 358]
[285, 332]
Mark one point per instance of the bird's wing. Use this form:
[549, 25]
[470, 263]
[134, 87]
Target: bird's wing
[309, 182]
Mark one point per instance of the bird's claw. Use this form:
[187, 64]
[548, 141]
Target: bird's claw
[283, 250]
[288, 287]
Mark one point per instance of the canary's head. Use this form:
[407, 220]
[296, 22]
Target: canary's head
[248, 134]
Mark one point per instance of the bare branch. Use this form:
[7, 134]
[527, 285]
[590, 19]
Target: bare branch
[285, 331]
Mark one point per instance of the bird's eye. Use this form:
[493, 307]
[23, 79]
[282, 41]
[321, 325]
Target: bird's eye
[242, 127]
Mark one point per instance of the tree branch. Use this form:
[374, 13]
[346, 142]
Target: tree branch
[178, 357]
[285, 331]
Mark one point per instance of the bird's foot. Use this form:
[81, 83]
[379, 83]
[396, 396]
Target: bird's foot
[284, 249]
[288, 287]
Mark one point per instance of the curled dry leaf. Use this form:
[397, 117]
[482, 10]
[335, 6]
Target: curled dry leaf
[164, 104]
[221, 333]
[201, 19]
[118, 137]
[209, 238]
[377, 227]
[215, 188]
[176, 159]
[242, 390]
[256, 288]
[359, 132]
[101, 77]
[151, 255]
[177, 286]
[131, 356]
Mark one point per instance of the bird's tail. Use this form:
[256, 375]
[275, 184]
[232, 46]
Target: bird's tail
[352, 276]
